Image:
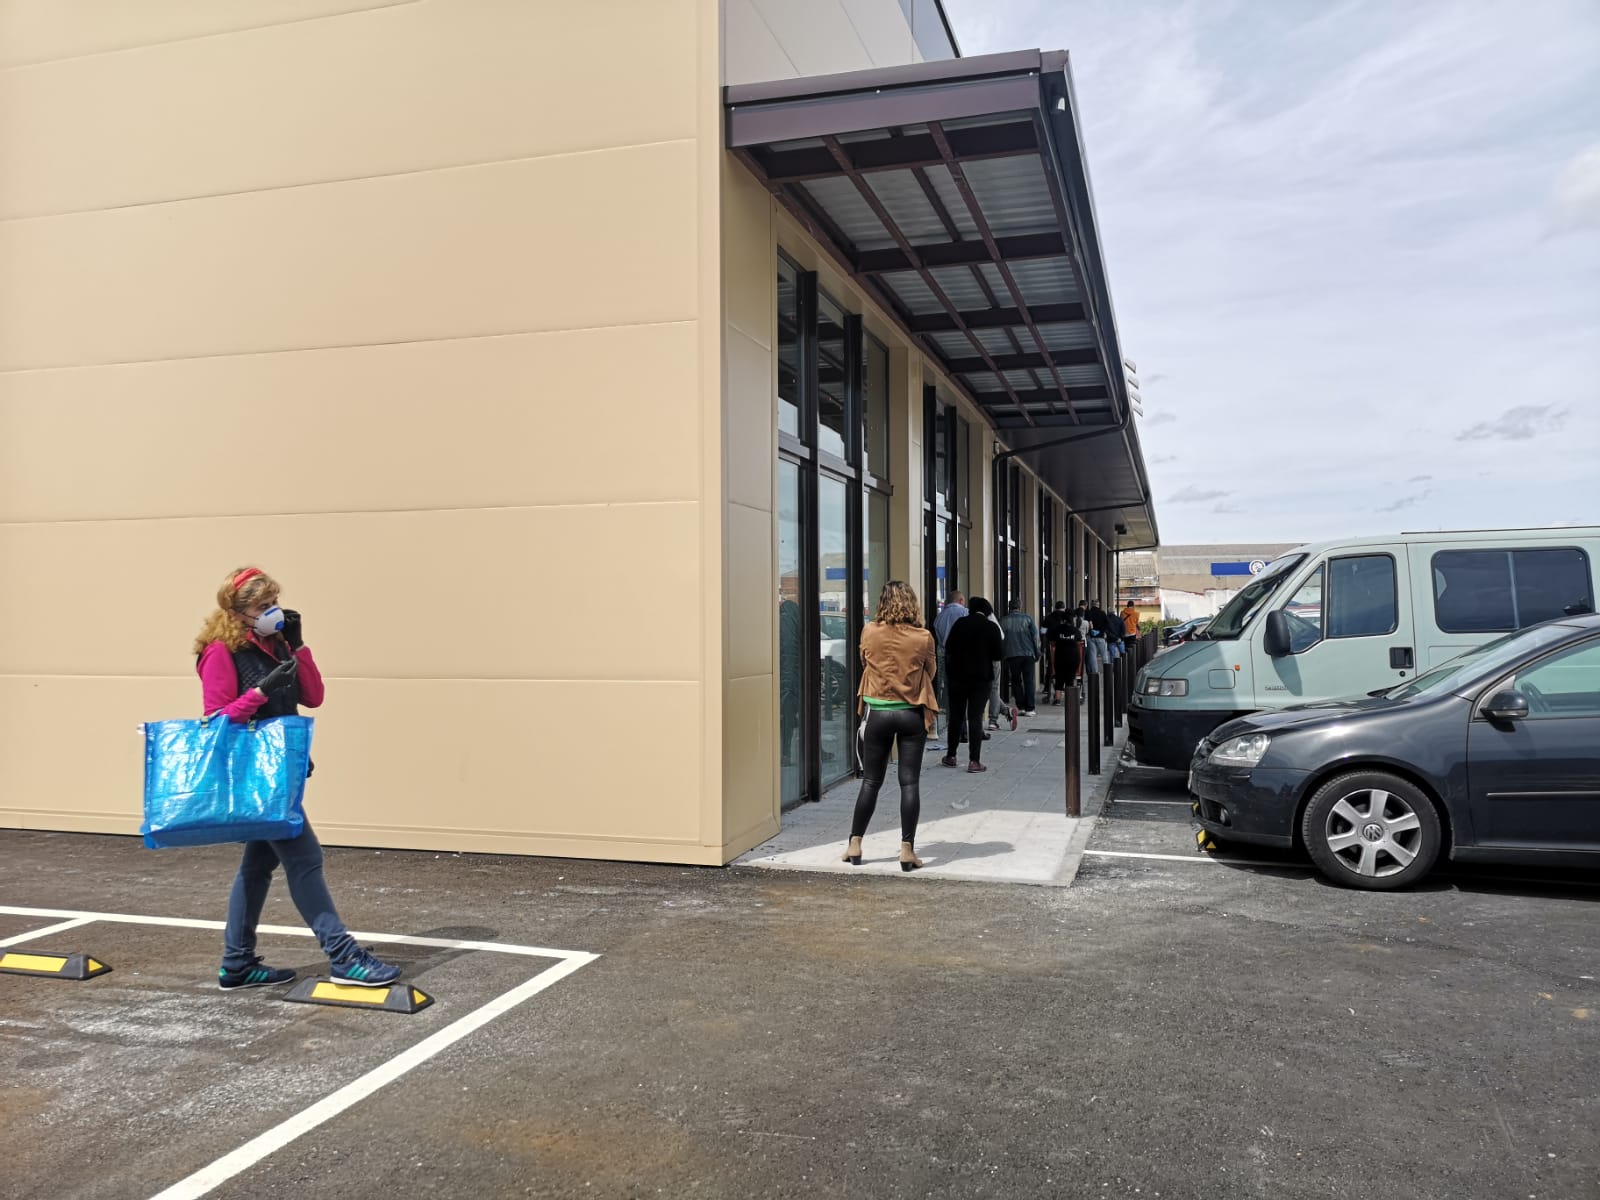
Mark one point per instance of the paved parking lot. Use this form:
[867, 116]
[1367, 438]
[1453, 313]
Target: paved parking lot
[1161, 1028]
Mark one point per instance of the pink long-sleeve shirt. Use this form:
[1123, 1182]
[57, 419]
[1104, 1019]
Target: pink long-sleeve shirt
[219, 682]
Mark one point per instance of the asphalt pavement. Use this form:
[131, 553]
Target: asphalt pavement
[1178, 1026]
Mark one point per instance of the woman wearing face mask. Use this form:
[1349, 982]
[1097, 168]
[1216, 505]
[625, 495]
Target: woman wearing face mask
[253, 664]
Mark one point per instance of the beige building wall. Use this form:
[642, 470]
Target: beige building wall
[785, 39]
[414, 305]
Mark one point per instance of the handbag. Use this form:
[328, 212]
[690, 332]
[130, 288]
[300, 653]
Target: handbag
[214, 780]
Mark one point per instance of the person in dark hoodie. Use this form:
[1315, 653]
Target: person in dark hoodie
[972, 650]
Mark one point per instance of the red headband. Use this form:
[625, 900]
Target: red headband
[244, 577]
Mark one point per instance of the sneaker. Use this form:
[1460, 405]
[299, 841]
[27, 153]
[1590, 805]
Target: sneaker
[1012, 713]
[257, 974]
[971, 767]
[949, 760]
[363, 970]
[1031, 713]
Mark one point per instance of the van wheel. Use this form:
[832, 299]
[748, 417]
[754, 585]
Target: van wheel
[1373, 830]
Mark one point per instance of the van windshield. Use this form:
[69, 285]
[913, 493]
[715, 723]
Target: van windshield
[1228, 624]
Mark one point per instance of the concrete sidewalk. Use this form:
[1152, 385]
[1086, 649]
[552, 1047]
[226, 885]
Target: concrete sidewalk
[1007, 825]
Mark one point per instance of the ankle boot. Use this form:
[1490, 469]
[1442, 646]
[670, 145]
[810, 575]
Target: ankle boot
[908, 857]
[852, 852]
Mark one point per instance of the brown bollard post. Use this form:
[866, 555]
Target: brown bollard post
[1074, 731]
[1108, 680]
[1121, 682]
[1091, 685]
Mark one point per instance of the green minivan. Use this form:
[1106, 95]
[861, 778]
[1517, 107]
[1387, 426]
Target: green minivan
[1342, 618]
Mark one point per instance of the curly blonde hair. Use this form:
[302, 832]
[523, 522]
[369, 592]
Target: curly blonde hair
[242, 587]
[898, 605]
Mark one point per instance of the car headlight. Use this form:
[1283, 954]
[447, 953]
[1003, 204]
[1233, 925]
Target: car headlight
[1166, 687]
[1241, 751]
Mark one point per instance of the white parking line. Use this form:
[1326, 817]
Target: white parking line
[45, 932]
[246, 1156]
[1123, 800]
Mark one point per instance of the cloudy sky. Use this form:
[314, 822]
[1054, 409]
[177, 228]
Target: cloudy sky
[1354, 249]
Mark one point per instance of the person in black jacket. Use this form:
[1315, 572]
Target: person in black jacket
[971, 650]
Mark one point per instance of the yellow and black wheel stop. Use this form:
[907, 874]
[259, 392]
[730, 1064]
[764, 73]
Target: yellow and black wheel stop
[51, 966]
[398, 997]
[1203, 840]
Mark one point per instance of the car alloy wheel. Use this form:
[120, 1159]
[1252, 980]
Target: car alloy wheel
[1373, 830]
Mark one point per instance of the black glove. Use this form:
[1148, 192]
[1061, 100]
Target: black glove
[281, 676]
[291, 629]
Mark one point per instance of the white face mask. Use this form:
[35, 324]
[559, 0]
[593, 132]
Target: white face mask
[269, 622]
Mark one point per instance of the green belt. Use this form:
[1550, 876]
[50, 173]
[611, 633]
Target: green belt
[888, 705]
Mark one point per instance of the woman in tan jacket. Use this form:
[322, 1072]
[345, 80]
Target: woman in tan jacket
[896, 697]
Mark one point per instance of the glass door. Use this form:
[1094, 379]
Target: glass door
[836, 637]
[793, 726]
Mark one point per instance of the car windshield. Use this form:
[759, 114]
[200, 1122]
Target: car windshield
[1481, 662]
[1228, 624]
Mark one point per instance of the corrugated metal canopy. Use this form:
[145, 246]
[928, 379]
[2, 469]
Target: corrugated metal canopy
[957, 193]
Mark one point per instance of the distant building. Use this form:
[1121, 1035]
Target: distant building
[1181, 582]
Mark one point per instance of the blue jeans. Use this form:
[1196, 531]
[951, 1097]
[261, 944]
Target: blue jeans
[302, 867]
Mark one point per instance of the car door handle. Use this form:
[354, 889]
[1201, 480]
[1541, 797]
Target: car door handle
[1401, 658]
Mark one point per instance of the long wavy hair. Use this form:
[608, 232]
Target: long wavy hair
[223, 625]
[898, 605]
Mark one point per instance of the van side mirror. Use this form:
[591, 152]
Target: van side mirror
[1506, 706]
[1276, 640]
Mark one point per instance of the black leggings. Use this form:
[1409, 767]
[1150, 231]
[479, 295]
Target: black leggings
[884, 727]
[967, 699]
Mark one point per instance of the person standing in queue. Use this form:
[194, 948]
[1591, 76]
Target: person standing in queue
[1057, 629]
[1130, 624]
[973, 650]
[896, 698]
[954, 609]
[253, 664]
[1022, 657]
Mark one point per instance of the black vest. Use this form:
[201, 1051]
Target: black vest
[253, 665]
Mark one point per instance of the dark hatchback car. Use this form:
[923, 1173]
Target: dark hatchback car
[1186, 632]
[1493, 756]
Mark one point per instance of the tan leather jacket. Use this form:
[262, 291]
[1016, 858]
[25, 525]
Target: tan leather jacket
[898, 663]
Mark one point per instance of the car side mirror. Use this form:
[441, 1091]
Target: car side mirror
[1276, 640]
[1506, 706]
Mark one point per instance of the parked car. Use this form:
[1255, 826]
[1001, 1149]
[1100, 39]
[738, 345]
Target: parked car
[1186, 631]
[1493, 756]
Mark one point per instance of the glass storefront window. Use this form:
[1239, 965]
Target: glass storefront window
[833, 379]
[791, 636]
[941, 563]
[876, 431]
[964, 559]
[876, 512]
[788, 349]
[963, 468]
[941, 452]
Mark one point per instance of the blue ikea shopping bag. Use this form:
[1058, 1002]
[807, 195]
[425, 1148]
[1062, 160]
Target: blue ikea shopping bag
[215, 780]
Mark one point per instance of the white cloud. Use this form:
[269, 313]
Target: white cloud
[1196, 495]
[1517, 425]
[1328, 228]
[1577, 192]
